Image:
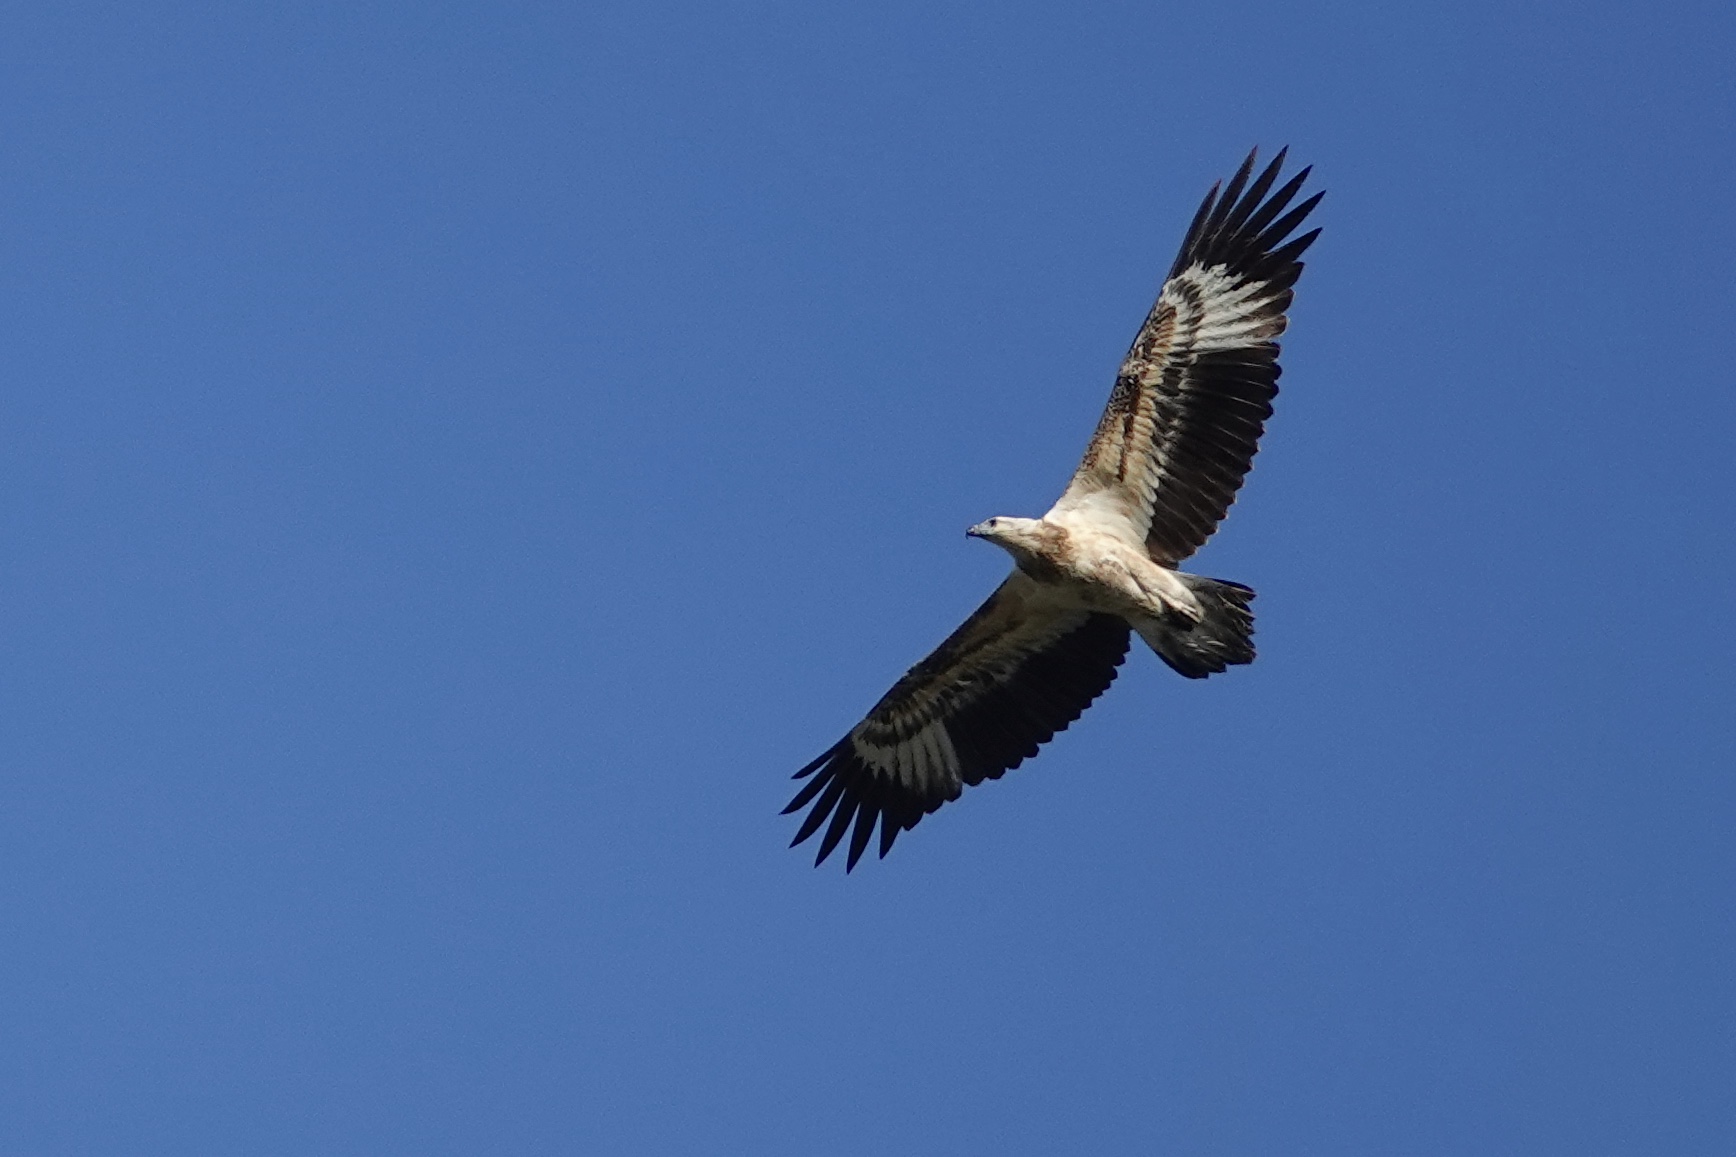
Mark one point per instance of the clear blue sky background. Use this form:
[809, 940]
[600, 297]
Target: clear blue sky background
[457, 461]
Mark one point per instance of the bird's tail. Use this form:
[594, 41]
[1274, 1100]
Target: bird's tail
[1223, 637]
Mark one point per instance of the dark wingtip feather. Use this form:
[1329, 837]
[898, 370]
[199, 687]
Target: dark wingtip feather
[865, 818]
[822, 808]
[809, 790]
[1290, 252]
[1241, 228]
[1265, 214]
[1281, 228]
[840, 824]
[1251, 199]
[1195, 228]
[811, 768]
[1233, 193]
[889, 829]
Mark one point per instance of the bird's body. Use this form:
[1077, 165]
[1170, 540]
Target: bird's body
[1168, 455]
[1083, 567]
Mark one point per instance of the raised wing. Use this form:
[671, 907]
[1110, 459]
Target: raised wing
[1194, 393]
[1016, 672]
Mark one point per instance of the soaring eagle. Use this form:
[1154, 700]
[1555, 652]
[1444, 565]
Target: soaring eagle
[1180, 431]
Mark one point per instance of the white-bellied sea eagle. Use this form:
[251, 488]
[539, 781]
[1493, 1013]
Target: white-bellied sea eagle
[1169, 454]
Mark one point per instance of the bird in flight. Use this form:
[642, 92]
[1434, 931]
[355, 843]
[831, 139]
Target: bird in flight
[1179, 433]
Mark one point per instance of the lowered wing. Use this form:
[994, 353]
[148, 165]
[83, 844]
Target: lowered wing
[1016, 672]
[1193, 395]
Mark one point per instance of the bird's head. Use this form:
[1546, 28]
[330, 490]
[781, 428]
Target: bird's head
[1014, 534]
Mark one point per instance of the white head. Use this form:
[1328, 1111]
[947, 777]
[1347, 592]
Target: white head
[1018, 536]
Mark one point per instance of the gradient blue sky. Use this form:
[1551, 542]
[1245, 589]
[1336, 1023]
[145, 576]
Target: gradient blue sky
[457, 461]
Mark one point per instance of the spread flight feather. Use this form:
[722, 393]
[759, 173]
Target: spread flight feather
[1174, 443]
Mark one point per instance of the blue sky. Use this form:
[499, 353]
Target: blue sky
[459, 460]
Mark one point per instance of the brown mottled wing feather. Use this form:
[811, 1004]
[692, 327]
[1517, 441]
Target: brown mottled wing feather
[1016, 672]
[1194, 393]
